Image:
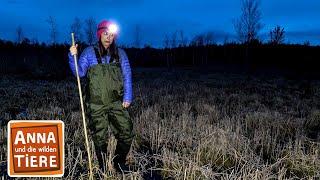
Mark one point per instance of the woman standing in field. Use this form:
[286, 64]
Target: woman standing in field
[108, 92]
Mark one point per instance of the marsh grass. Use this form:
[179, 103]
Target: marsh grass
[188, 125]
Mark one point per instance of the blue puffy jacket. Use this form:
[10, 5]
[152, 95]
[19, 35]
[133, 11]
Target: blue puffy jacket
[88, 59]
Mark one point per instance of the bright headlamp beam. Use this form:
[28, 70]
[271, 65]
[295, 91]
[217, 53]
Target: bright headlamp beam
[113, 28]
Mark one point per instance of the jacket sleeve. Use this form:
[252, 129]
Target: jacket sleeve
[83, 63]
[127, 77]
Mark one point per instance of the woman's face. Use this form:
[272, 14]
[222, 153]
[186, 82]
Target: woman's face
[107, 39]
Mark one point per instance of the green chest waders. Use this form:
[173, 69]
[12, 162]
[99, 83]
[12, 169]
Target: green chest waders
[103, 100]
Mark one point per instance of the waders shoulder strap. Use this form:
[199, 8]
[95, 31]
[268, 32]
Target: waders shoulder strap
[98, 56]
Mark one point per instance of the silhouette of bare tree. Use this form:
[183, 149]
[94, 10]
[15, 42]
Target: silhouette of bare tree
[248, 25]
[182, 39]
[277, 35]
[90, 30]
[19, 32]
[53, 29]
[76, 28]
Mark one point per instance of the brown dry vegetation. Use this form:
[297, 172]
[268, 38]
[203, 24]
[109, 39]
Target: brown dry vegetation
[189, 125]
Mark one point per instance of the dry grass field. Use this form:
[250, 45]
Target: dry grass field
[188, 125]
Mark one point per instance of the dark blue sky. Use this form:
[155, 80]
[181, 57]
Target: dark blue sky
[300, 18]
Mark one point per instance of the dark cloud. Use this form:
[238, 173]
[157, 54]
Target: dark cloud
[123, 2]
[307, 34]
[13, 1]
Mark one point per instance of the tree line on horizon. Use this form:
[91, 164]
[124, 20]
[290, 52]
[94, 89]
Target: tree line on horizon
[247, 27]
[50, 60]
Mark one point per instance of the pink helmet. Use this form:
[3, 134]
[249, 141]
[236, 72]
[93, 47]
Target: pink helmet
[102, 26]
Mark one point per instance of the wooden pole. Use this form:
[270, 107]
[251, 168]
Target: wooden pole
[82, 109]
